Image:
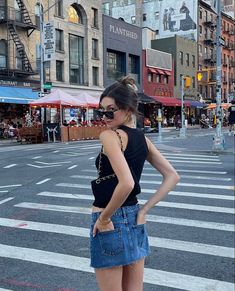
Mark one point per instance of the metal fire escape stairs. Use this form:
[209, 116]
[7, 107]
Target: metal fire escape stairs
[28, 24]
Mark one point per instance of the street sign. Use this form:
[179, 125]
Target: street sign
[36, 89]
[222, 41]
[49, 41]
[47, 85]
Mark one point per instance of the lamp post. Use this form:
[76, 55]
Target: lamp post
[218, 140]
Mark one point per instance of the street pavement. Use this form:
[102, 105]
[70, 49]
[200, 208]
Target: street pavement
[45, 201]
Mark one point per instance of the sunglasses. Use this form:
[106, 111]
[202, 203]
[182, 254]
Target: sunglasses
[109, 113]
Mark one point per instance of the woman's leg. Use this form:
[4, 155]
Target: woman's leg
[132, 279]
[109, 279]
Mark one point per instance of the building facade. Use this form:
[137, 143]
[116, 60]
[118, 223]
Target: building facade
[122, 51]
[184, 53]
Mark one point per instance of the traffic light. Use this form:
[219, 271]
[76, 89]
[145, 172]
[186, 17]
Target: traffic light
[203, 76]
[187, 82]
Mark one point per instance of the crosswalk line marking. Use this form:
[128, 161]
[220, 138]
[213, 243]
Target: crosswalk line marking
[188, 155]
[154, 218]
[179, 245]
[72, 167]
[74, 209]
[224, 187]
[195, 162]
[9, 186]
[43, 181]
[6, 200]
[10, 166]
[151, 276]
[37, 157]
[191, 171]
[168, 156]
[159, 175]
[1, 289]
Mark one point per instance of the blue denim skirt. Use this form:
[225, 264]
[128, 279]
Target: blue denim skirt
[124, 245]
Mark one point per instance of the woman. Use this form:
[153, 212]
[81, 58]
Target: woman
[118, 237]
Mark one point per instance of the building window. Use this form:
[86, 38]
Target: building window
[76, 60]
[75, 14]
[193, 61]
[165, 79]
[158, 78]
[187, 59]
[157, 15]
[200, 49]
[59, 8]
[193, 82]
[116, 63]
[133, 19]
[3, 53]
[59, 40]
[95, 76]
[181, 58]
[95, 54]
[150, 77]
[144, 17]
[19, 61]
[200, 29]
[200, 13]
[134, 67]
[59, 70]
[95, 17]
[106, 9]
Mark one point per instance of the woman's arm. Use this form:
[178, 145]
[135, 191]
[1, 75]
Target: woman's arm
[170, 179]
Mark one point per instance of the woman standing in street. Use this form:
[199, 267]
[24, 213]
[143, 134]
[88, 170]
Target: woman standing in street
[118, 236]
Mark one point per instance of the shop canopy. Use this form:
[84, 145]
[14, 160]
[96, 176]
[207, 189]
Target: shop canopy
[17, 95]
[143, 98]
[169, 101]
[223, 105]
[197, 104]
[59, 98]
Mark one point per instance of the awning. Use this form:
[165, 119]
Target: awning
[145, 98]
[167, 101]
[167, 73]
[197, 104]
[17, 95]
[161, 72]
[151, 70]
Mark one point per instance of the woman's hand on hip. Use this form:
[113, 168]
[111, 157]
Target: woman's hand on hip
[141, 217]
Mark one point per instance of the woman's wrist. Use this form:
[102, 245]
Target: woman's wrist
[104, 221]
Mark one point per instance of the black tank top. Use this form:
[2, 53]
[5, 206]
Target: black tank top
[135, 153]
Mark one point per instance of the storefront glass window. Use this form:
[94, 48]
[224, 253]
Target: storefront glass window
[115, 64]
[76, 59]
[3, 54]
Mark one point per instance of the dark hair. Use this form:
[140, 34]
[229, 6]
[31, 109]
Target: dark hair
[123, 91]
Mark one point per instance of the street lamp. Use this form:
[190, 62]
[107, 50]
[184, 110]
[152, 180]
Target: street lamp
[218, 141]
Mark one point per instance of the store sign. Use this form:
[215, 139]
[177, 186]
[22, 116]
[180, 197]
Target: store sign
[122, 31]
[49, 41]
[18, 84]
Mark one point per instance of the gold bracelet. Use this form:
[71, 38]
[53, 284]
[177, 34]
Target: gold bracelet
[104, 222]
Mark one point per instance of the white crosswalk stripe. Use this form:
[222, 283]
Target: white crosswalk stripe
[151, 276]
[52, 206]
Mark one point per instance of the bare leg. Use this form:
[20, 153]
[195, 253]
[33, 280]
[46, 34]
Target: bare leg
[133, 274]
[109, 279]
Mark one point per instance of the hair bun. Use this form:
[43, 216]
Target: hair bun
[128, 81]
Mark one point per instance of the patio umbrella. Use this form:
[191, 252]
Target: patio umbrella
[223, 105]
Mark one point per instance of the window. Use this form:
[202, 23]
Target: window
[95, 17]
[74, 14]
[59, 8]
[95, 76]
[187, 59]
[157, 15]
[150, 77]
[200, 48]
[134, 67]
[193, 82]
[133, 19]
[200, 29]
[59, 70]
[116, 63]
[181, 58]
[76, 59]
[200, 13]
[106, 9]
[3, 53]
[95, 54]
[165, 79]
[193, 61]
[144, 17]
[59, 40]
[19, 61]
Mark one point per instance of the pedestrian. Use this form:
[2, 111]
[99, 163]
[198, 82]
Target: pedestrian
[118, 235]
[231, 117]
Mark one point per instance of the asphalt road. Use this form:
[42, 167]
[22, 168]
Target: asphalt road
[45, 201]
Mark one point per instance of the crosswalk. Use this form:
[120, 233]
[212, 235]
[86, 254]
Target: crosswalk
[192, 228]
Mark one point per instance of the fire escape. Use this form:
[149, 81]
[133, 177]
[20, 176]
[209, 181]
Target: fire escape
[15, 21]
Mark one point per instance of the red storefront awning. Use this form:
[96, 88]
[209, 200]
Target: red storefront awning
[151, 70]
[167, 73]
[161, 72]
[169, 101]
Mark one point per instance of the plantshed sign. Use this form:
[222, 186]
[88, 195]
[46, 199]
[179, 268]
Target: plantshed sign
[49, 41]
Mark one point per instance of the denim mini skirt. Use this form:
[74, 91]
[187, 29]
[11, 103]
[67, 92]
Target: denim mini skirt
[124, 245]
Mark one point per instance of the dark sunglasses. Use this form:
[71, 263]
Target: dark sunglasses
[109, 113]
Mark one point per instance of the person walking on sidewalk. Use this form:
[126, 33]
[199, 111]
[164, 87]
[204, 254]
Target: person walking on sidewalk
[231, 118]
[118, 234]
